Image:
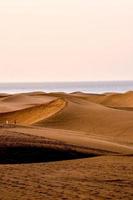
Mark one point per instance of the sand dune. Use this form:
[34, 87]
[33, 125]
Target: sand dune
[53, 127]
[17, 147]
[2, 95]
[120, 100]
[90, 143]
[82, 115]
[71, 113]
[109, 99]
[95, 98]
[27, 98]
[33, 114]
[20, 101]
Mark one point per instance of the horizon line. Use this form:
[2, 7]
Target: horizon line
[65, 81]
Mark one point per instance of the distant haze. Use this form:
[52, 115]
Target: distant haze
[66, 40]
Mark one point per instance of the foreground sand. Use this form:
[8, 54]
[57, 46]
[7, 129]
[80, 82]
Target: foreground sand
[93, 178]
[66, 146]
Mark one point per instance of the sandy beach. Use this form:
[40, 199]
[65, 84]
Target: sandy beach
[66, 146]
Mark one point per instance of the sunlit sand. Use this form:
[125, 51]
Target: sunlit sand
[71, 146]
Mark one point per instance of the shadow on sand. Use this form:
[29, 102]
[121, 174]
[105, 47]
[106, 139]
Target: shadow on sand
[33, 154]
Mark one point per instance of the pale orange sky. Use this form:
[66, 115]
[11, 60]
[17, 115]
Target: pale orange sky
[66, 40]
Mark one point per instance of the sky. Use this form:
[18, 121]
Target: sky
[66, 40]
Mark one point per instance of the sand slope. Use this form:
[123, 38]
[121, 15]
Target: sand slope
[82, 115]
[15, 102]
[64, 127]
[33, 114]
[71, 112]
[85, 179]
[109, 99]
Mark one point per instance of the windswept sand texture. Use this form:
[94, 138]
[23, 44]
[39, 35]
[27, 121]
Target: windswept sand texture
[66, 146]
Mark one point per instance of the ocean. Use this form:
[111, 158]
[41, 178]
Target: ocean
[89, 87]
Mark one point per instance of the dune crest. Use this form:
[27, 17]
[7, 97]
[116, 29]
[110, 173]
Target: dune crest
[108, 99]
[33, 114]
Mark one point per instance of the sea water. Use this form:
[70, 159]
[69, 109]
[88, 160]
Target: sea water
[89, 87]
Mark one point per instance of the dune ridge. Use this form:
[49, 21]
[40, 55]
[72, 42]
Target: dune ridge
[90, 117]
[72, 112]
[109, 99]
[33, 114]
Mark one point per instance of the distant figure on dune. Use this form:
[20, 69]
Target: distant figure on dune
[6, 123]
[15, 122]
